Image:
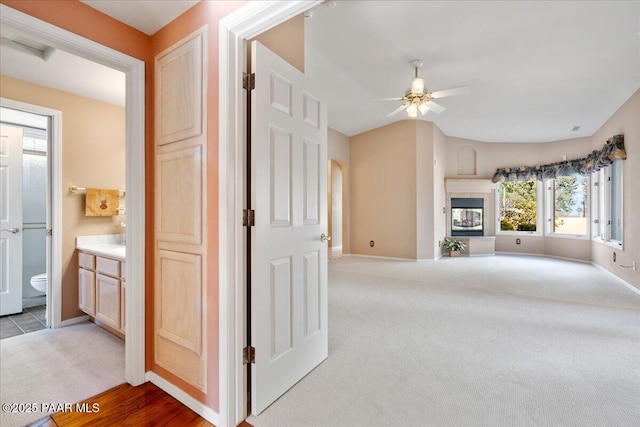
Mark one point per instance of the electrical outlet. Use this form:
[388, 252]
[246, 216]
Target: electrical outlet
[372, 243]
[614, 257]
[518, 241]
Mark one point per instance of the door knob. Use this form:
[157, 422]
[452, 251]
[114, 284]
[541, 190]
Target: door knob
[324, 238]
[13, 230]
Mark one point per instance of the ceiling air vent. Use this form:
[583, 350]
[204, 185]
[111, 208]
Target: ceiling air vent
[575, 128]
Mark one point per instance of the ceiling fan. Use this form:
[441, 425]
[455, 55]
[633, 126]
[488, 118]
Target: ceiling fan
[417, 98]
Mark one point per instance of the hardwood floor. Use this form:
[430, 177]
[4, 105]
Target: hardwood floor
[125, 405]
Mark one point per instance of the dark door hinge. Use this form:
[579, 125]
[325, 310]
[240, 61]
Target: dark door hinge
[249, 81]
[248, 218]
[248, 355]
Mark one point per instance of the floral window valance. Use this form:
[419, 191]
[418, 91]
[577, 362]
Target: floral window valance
[613, 150]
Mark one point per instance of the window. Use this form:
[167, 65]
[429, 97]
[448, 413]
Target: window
[518, 206]
[568, 205]
[607, 205]
[597, 206]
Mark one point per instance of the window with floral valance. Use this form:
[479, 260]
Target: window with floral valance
[613, 150]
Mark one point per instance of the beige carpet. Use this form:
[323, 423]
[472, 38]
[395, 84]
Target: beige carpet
[63, 365]
[491, 341]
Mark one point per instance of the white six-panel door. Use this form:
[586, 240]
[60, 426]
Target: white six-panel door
[10, 220]
[288, 257]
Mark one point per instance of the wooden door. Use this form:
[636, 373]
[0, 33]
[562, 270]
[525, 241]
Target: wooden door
[108, 300]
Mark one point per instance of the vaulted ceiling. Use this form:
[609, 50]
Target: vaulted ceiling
[536, 69]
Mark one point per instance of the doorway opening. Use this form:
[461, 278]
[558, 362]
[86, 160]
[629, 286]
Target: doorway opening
[27, 311]
[335, 212]
[133, 68]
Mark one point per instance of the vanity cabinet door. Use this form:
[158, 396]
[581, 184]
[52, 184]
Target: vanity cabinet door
[108, 300]
[87, 291]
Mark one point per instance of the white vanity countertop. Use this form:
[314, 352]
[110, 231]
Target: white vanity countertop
[110, 245]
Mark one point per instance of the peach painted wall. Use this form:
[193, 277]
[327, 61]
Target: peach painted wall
[286, 40]
[93, 155]
[383, 191]
[624, 121]
[204, 13]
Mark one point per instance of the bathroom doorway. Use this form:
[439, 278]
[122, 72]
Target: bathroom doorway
[28, 241]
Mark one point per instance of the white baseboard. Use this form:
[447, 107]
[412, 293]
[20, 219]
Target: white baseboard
[182, 397]
[624, 282]
[544, 256]
[384, 257]
[74, 321]
[335, 248]
[34, 301]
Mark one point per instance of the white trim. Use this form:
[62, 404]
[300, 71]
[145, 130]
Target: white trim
[54, 253]
[543, 256]
[28, 302]
[622, 281]
[244, 23]
[182, 397]
[385, 257]
[74, 321]
[135, 167]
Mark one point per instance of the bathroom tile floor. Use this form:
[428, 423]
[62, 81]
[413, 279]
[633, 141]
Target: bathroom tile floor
[31, 319]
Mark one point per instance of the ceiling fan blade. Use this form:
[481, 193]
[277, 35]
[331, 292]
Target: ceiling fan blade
[436, 108]
[397, 110]
[450, 92]
[386, 99]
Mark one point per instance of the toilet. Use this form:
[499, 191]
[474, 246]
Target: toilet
[39, 282]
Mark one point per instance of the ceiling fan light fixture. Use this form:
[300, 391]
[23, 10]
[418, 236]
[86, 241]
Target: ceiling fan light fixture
[412, 110]
[423, 108]
[417, 85]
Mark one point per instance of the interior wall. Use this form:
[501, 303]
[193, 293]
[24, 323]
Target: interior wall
[93, 155]
[338, 151]
[626, 120]
[336, 214]
[424, 158]
[383, 196]
[204, 13]
[439, 192]
[286, 40]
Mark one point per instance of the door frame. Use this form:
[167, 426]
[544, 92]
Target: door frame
[54, 204]
[235, 29]
[135, 172]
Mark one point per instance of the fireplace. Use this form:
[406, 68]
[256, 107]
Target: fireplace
[467, 216]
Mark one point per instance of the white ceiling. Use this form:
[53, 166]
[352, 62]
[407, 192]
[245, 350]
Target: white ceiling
[147, 16]
[536, 69]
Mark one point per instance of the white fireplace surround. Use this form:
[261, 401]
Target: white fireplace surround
[475, 188]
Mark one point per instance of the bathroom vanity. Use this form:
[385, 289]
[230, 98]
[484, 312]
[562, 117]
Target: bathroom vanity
[102, 280]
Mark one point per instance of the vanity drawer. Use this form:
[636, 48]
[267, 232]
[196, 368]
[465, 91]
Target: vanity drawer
[87, 261]
[110, 267]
